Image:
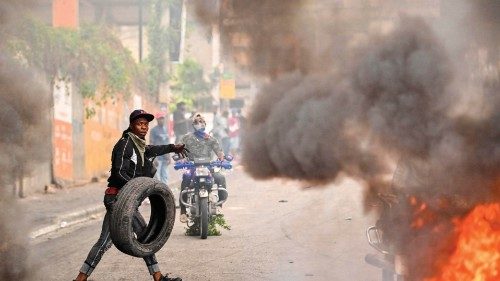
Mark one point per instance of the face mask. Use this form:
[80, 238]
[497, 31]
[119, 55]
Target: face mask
[199, 127]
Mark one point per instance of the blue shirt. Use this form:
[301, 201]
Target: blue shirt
[159, 136]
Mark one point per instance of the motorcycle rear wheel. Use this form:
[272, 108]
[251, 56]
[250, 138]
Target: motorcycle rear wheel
[204, 218]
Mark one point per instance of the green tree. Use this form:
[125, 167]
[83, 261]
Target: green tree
[188, 83]
[92, 56]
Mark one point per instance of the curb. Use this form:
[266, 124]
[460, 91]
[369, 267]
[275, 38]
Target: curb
[80, 216]
[70, 219]
[83, 215]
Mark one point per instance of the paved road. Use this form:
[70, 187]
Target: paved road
[314, 233]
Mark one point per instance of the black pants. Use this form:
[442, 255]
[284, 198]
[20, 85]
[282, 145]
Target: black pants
[104, 242]
[219, 180]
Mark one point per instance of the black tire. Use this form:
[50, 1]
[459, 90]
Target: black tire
[204, 218]
[161, 221]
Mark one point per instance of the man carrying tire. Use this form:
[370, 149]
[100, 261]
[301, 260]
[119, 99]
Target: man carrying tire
[201, 144]
[131, 158]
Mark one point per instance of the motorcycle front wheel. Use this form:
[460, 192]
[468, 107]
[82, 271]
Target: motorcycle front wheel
[204, 217]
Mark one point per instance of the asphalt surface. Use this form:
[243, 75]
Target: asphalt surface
[280, 230]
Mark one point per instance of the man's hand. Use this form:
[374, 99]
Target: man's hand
[220, 156]
[181, 150]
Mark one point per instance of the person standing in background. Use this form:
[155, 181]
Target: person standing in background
[180, 121]
[216, 128]
[159, 136]
[234, 132]
[220, 130]
[224, 129]
[242, 120]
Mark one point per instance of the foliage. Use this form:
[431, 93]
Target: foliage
[188, 82]
[216, 220]
[92, 56]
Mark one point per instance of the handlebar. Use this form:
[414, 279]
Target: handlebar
[190, 165]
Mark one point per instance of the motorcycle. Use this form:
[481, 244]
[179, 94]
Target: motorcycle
[202, 193]
[389, 261]
[385, 235]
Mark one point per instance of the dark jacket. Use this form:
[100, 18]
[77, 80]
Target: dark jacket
[180, 123]
[126, 162]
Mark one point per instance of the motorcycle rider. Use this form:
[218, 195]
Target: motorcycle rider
[200, 144]
[130, 158]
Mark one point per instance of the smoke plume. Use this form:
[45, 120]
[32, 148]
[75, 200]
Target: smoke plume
[485, 18]
[270, 26]
[346, 97]
[24, 117]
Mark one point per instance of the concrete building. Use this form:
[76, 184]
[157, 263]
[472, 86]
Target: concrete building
[81, 146]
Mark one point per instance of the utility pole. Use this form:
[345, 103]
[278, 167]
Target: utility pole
[216, 53]
[140, 29]
[182, 42]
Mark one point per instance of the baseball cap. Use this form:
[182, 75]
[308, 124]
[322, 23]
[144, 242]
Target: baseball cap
[138, 113]
[160, 115]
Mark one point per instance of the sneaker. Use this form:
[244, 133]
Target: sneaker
[166, 278]
[183, 218]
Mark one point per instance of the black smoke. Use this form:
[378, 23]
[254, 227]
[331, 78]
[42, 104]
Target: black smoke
[390, 100]
[344, 98]
[24, 118]
[269, 26]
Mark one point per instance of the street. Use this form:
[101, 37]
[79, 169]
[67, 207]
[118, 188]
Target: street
[398, 100]
[279, 231]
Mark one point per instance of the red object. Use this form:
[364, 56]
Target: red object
[170, 127]
[65, 13]
[111, 190]
[160, 115]
[234, 127]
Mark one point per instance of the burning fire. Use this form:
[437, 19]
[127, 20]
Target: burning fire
[422, 214]
[477, 253]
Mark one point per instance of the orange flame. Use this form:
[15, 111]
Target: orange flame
[477, 253]
[422, 215]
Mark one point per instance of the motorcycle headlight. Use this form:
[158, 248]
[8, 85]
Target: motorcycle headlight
[202, 172]
[203, 193]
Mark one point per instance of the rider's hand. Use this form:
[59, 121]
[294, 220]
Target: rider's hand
[181, 150]
[220, 156]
